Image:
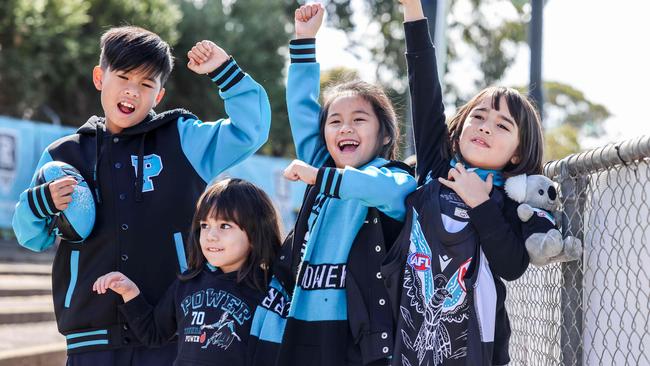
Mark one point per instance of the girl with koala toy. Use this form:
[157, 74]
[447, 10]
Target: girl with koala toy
[462, 235]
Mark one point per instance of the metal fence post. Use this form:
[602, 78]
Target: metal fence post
[574, 190]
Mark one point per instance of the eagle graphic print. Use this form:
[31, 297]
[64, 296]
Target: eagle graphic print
[435, 309]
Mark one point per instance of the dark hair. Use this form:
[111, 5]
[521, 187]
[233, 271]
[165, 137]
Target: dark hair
[381, 105]
[129, 48]
[531, 142]
[251, 209]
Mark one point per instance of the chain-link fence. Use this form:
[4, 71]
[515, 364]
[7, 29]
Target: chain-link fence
[594, 311]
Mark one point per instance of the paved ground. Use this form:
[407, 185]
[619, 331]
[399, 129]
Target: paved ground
[28, 333]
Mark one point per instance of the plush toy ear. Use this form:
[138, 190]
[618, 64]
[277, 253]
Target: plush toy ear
[515, 188]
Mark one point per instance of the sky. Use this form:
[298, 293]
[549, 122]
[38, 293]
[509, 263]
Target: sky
[599, 47]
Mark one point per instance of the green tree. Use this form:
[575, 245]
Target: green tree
[569, 115]
[495, 37]
[492, 36]
[49, 47]
[493, 31]
[560, 141]
[568, 105]
[254, 32]
[36, 39]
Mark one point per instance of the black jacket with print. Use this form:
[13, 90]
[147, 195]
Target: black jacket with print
[211, 313]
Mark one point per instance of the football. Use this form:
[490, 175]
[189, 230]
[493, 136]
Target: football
[75, 223]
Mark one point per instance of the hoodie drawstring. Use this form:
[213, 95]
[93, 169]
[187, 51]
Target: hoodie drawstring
[99, 137]
[139, 179]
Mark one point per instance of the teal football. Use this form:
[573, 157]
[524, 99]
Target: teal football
[75, 223]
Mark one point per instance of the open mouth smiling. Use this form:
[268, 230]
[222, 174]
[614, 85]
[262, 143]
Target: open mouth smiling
[214, 250]
[348, 145]
[126, 107]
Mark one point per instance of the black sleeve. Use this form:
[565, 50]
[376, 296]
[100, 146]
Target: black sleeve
[428, 112]
[392, 268]
[499, 232]
[152, 326]
[536, 224]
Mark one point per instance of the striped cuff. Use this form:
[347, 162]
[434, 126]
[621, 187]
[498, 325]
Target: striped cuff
[87, 339]
[40, 201]
[302, 50]
[329, 181]
[227, 75]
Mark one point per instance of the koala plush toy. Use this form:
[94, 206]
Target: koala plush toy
[537, 196]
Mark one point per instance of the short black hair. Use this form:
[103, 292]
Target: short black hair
[129, 48]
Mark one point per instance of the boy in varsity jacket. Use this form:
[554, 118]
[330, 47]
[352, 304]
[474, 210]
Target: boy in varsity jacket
[147, 171]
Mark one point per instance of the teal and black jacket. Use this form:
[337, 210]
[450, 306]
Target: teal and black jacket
[327, 304]
[141, 224]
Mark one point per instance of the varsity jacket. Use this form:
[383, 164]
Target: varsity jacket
[140, 224]
[211, 313]
[440, 280]
[361, 208]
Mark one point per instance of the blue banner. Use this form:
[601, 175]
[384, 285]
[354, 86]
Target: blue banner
[21, 145]
[266, 173]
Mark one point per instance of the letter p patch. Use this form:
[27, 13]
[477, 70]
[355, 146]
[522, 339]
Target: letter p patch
[151, 168]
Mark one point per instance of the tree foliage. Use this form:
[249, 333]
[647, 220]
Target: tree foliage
[480, 25]
[48, 49]
[491, 32]
[255, 33]
[567, 105]
[560, 141]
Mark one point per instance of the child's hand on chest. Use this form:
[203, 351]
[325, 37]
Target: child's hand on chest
[468, 185]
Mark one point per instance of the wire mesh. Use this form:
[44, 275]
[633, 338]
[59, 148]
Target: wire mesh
[594, 311]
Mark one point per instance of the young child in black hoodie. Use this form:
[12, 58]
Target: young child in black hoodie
[234, 238]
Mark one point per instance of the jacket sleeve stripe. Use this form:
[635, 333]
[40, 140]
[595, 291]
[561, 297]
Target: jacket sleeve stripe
[328, 181]
[49, 200]
[337, 186]
[302, 50]
[232, 80]
[32, 204]
[40, 198]
[44, 192]
[227, 75]
[39, 201]
[222, 70]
